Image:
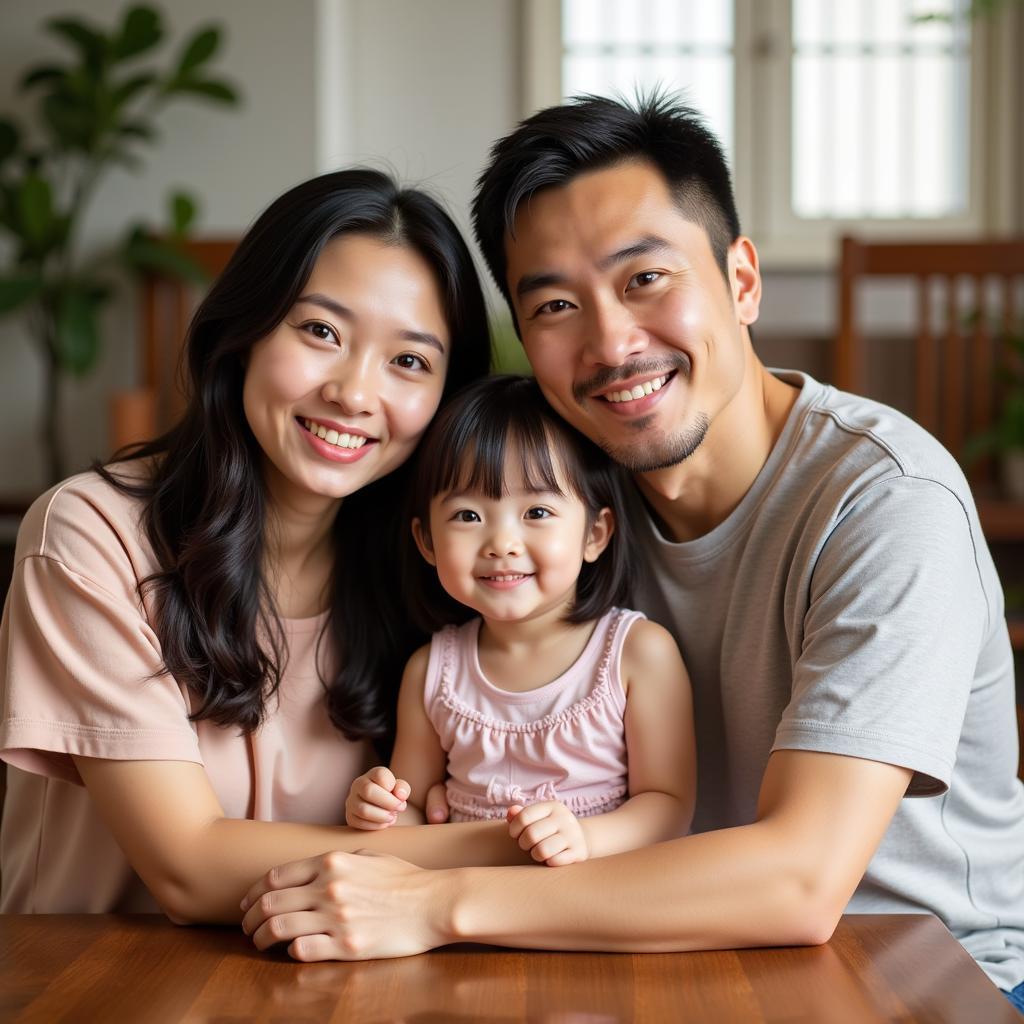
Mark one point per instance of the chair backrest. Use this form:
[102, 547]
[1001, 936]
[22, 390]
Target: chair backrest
[167, 305]
[957, 339]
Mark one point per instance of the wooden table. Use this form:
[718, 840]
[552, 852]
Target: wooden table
[142, 969]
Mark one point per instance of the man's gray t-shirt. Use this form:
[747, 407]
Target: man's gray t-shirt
[849, 604]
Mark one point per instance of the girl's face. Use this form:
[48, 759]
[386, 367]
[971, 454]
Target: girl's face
[515, 558]
[340, 392]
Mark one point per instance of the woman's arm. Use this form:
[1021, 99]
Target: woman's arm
[197, 863]
[661, 747]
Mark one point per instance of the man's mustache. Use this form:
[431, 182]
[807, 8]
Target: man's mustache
[603, 378]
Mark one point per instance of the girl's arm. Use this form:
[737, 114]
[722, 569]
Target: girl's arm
[418, 759]
[661, 745]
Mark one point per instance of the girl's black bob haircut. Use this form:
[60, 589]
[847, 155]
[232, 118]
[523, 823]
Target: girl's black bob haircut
[466, 448]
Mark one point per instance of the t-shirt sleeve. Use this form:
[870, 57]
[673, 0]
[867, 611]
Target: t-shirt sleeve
[81, 673]
[892, 634]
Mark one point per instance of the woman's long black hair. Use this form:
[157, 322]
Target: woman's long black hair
[205, 501]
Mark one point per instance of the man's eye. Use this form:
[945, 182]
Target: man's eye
[465, 515]
[554, 306]
[320, 330]
[644, 278]
[538, 512]
[411, 361]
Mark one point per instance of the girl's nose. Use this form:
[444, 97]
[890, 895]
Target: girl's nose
[504, 544]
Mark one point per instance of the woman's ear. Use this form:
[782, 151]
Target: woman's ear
[601, 530]
[422, 537]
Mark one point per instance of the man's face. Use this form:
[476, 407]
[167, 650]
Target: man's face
[633, 333]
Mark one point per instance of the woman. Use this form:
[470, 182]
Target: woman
[202, 640]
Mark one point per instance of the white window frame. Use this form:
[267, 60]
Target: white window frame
[761, 171]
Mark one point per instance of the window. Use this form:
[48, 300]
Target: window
[892, 117]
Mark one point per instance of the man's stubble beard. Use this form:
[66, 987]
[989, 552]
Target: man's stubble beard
[647, 454]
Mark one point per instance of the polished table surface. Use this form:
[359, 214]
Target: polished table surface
[142, 968]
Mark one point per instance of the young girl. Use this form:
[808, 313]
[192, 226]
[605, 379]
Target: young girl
[554, 708]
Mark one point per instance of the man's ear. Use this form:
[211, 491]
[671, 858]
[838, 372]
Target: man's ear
[601, 530]
[422, 537]
[745, 280]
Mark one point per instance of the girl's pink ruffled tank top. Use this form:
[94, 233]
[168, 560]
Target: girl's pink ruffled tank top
[562, 741]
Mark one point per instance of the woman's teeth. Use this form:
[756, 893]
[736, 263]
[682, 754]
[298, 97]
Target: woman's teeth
[333, 437]
[639, 391]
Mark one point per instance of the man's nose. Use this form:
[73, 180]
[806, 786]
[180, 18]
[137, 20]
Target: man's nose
[613, 336]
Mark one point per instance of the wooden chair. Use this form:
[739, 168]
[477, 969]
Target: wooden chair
[166, 309]
[967, 297]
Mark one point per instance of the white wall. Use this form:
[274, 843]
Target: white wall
[235, 160]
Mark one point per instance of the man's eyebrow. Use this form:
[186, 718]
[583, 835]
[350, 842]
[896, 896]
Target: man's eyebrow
[641, 247]
[339, 310]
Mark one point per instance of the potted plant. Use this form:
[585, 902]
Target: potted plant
[96, 110]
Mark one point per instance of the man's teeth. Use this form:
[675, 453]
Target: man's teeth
[639, 391]
[333, 437]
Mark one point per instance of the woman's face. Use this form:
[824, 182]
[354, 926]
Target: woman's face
[340, 392]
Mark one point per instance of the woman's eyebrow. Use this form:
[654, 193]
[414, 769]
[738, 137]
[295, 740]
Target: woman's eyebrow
[339, 310]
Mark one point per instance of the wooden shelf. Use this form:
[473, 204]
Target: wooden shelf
[1016, 624]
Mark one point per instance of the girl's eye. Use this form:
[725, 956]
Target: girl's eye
[644, 278]
[538, 512]
[554, 306]
[465, 515]
[411, 361]
[320, 330]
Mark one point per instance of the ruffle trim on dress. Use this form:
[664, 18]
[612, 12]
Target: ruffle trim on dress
[471, 808]
[598, 695]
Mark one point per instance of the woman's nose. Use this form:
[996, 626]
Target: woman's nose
[354, 388]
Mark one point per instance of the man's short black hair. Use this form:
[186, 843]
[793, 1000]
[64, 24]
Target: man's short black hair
[589, 133]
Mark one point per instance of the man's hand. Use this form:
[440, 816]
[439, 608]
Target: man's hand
[549, 832]
[349, 906]
[375, 800]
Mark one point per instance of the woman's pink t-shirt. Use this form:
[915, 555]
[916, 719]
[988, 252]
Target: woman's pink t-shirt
[80, 674]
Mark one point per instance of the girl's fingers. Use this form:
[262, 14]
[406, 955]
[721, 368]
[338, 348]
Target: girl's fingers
[401, 790]
[374, 795]
[561, 860]
[550, 847]
[537, 833]
[382, 777]
[437, 804]
[372, 813]
[532, 815]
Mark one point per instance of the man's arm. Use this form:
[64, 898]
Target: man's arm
[785, 879]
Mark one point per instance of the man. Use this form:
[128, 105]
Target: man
[817, 556]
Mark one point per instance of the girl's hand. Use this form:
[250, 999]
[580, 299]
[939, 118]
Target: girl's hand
[550, 832]
[345, 906]
[375, 800]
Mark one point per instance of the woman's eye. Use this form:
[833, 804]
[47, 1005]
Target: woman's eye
[411, 361]
[554, 306]
[465, 515]
[537, 512]
[320, 330]
[645, 277]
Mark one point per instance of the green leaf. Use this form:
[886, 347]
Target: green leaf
[211, 89]
[71, 124]
[141, 30]
[46, 73]
[17, 288]
[130, 88]
[9, 139]
[183, 212]
[92, 45]
[78, 335]
[144, 254]
[199, 49]
[137, 130]
[35, 210]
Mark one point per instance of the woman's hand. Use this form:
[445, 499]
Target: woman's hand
[549, 832]
[349, 906]
[375, 800]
